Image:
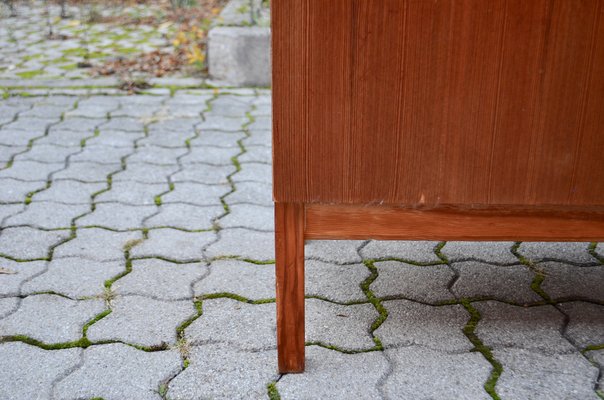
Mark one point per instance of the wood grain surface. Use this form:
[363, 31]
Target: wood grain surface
[449, 102]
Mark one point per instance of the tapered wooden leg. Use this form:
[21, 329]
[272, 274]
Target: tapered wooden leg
[289, 257]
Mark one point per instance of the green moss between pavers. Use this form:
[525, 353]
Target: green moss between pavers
[272, 392]
[69, 67]
[30, 74]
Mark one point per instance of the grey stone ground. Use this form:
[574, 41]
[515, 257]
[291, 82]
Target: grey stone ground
[136, 262]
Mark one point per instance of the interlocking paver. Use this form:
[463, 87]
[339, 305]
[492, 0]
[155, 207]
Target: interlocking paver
[262, 122]
[420, 283]
[48, 215]
[249, 216]
[505, 283]
[118, 216]
[101, 154]
[221, 123]
[31, 170]
[116, 371]
[421, 252]
[252, 281]
[174, 244]
[209, 138]
[96, 244]
[69, 192]
[87, 171]
[243, 325]
[17, 137]
[145, 173]
[490, 252]
[566, 281]
[586, 323]
[230, 106]
[78, 124]
[166, 139]
[219, 371]
[208, 174]
[142, 320]
[132, 193]
[48, 153]
[251, 193]
[124, 124]
[257, 154]
[8, 153]
[8, 210]
[244, 243]
[258, 138]
[196, 193]
[185, 216]
[27, 243]
[32, 124]
[411, 323]
[597, 357]
[353, 324]
[156, 155]
[531, 375]
[74, 277]
[420, 373]
[535, 328]
[336, 251]
[339, 283]
[161, 280]
[28, 372]
[16, 274]
[8, 305]
[254, 173]
[51, 318]
[210, 155]
[323, 373]
[113, 138]
[67, 139]
[174, 125]
[575, 252]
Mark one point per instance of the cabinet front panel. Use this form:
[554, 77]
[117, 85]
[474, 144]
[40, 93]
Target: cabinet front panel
[449, 102]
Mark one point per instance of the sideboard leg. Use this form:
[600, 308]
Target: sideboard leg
[289, 257]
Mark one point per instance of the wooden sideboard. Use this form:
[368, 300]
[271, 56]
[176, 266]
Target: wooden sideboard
[432, 120]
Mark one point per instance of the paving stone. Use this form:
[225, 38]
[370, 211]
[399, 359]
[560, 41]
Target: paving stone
[564, 281]
[420, 252]
[96, 244]
[586, 323]
[48, 153]
[536, 328]
[29, 243]
[221, 123]
[74, 277]
[32, 124]
[599, 251]
[420, 373]
[67, 139]
[16, 274]
[101, 154]
[243, 325]
[145, 173]
[8, 210]
[506, 283]
[196, 193]
[89, 111]
[166, 139]
[491, 252]
[113, 138]
[185, 110]
[252, 281]
[174, 244]
[37, 370]
[132, 193]
[261, 123]
[323, 373]
[530, 375]
[118, 216]
[51, 318]
[339, 283]
[420, 283]
[218, 371]
[598, 358]
[185, 216]
[174, 125]
[251, 193]
[7, 153]
[335, 251]
[208, 174]
[48, 215]
[208, 138]
[30, 170]
[8, 305]
[87, 172]
[69, 192]
[16, 137]
[78, 124]
[574, 252]
[160, 280]
[250, 216]
[142, 320]
[353, 323]
[254, 173]
[435, 327]
[257, 154]
[244, 243]
[258, 138]
[45, 112]
[117, 371]
[124, 124]
[210, 155]
[230, 106]
[157, 155]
